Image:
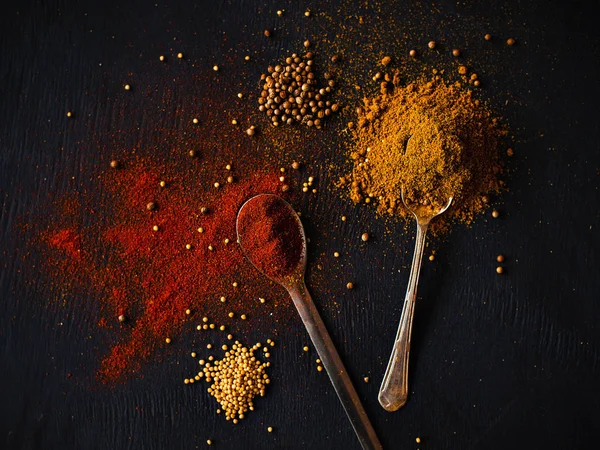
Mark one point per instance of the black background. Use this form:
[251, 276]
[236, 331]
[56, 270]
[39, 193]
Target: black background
[507, 361]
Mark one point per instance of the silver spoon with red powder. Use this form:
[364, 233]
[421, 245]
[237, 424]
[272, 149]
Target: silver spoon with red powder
[272, 238]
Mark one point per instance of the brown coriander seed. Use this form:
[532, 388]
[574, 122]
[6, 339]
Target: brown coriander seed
[161, 57]
[243, 317]
[336, 254]
[230, 179]
[456, 52]
[127, 87]
[69, 114]
[510, 41]
[204, 210]
[295, 165]
[114, 164]
[250, 131]
[307, 43]
[500, 258]
[155, 227]
[319, 368]
[162, 184]
[350, 286]
[179, 55]
[168, 340]
[305, 348]
[192, 153]
[495, 214]
[476, 83]
[267, 33]
[488, 37]
[431, 44]
[151, 206]
[270, 429]
[285, 188]
[216, 68]
[499, 269]
[307, 13]
[365, 237]
[462, 70]
[122, 318]
[386, 60]
[418, 440]
[510, 152]
[366, 379]
[343, 218]
[188, 311]
[412, 53]
[188, 246]
[279, 12]
[431, 257]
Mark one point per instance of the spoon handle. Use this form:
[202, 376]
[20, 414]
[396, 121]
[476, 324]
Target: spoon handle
[394, 387]
[334, 367]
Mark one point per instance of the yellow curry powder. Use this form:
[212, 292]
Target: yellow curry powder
[430, 138]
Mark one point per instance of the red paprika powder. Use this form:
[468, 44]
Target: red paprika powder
[271, 235]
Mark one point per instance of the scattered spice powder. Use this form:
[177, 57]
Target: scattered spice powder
[149, 277]
[430, 138]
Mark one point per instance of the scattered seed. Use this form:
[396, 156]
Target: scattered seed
[336, 254]
[350, 286]
[209, 442]
[179, 55]
[431, 44]
[500, 258]
[462, 70]
[270, 429]
[162, 184]
[418, 440]
[431, 257]
[188, 311]
[488, 37]
[114, 164]
[307, 43]
[305, 348]
[365, 237]
[319, 368]
[122, 318]
[499, 269]
[168, 340]
[250, 131]
[510, 41]
[151, 206]
[188, 246]
[155, 227]
[243, 317]
[192, 153]
[307, 13]
[386, 60]
[69, 114]
[495, 214]
[280, 13]
[295, 165]
[456, 52]
[267, 33]
[127, 87]
[161, 57]
[510, 152]
[366, 379]
[412, 53]
[343, 218]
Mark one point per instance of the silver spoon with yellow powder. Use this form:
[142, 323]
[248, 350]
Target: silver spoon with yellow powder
[394, 387]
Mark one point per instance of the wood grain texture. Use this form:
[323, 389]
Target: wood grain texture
[497, 362]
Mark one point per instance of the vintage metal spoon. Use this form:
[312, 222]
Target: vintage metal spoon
[394, 387]
[316, 329]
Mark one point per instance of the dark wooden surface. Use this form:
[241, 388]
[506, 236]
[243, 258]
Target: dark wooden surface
[497, 362]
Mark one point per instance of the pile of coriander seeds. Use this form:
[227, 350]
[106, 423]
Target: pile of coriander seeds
[290, 93]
